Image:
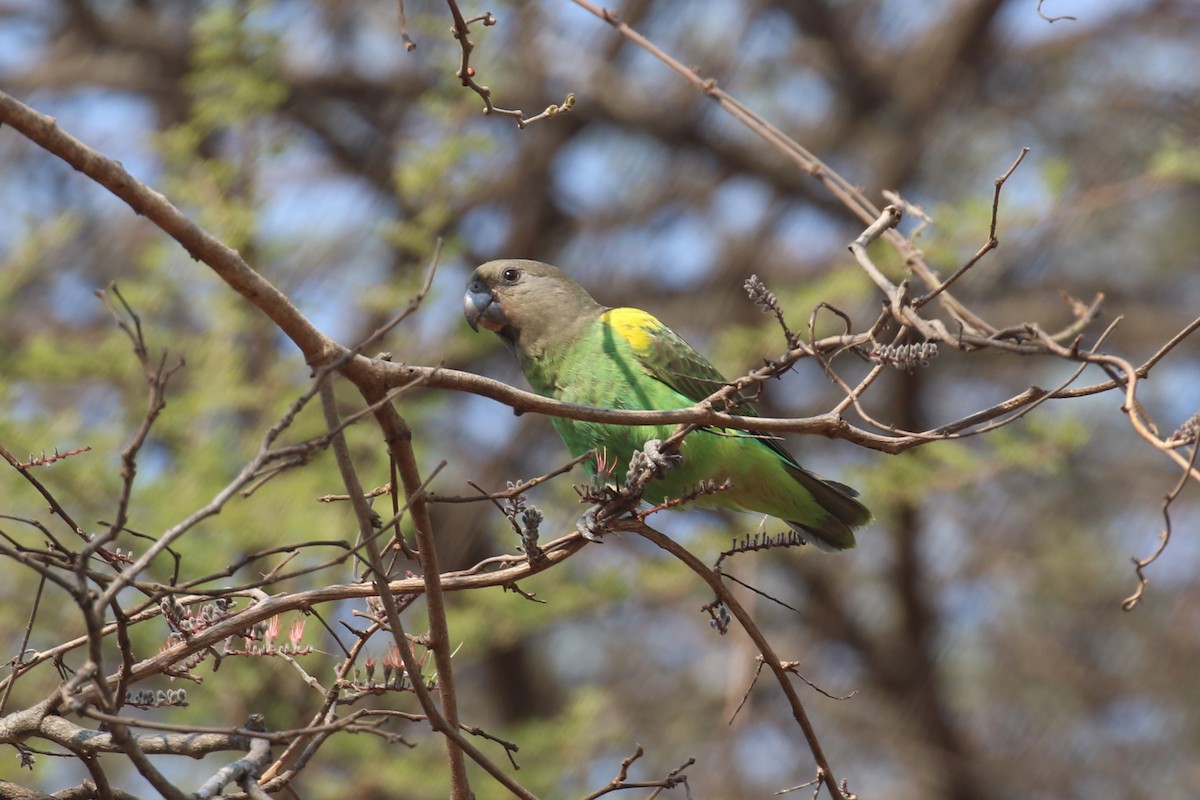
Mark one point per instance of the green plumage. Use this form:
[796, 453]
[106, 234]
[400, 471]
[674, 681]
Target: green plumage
[575, 350]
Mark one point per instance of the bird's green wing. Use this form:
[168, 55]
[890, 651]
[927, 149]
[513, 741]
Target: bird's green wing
[668, 358]
[672, 361]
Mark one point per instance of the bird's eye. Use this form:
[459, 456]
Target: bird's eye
[511, 275]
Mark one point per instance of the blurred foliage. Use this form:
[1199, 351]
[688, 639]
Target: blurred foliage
[979, 620]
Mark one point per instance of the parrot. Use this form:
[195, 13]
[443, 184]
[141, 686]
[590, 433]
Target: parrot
[572, 348]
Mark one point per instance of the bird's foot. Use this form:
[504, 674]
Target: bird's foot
[653, 457]
[589, 525]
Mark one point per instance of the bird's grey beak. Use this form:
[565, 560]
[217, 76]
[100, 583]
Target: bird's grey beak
[480, 307]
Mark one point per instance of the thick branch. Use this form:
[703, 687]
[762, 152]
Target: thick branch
[35, 722]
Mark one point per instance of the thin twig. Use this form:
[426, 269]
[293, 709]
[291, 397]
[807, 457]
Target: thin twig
[760, 640]
[409, 44]
[992, 241]
[1051, 19]
[466, 73]
[1164, 536]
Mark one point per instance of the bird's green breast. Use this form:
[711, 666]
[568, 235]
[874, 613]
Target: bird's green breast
[602, 368]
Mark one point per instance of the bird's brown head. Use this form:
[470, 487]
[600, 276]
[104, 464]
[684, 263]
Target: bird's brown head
[528, 304]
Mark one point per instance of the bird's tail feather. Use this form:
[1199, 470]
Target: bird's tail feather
[835, 531]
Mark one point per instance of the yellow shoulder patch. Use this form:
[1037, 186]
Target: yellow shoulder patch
[634, 326]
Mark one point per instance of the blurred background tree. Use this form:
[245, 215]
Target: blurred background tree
[979, 623]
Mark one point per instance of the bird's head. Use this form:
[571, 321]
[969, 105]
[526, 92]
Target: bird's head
[528, 304]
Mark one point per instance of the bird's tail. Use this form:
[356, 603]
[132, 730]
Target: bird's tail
[835, 530]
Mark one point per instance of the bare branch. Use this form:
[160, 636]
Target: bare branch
[466, 73]
[992, 241]
[1164, 536]
[713, 581]
[1050, 19]
[409, 44]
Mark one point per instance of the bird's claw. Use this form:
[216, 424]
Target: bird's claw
[658, 460]
[589, 526]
